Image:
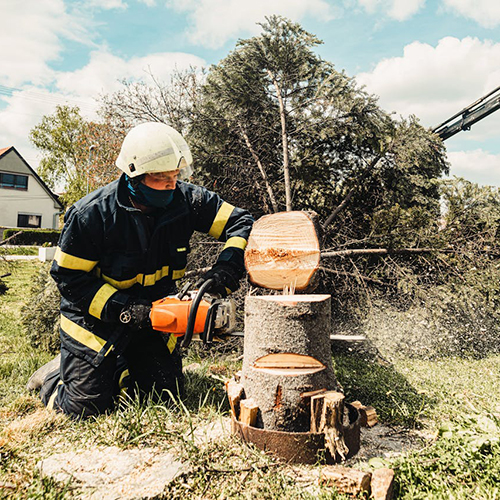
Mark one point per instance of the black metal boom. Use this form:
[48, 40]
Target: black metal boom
[463, 120]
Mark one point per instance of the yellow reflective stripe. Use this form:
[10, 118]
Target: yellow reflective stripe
[220, 220]
[142, 279]
[83, 336]
[100, 299]
[50, 404]
[75, 263]
[121, 285]
[172, 341]
[178, 274]
[236, 242]
[123, 376]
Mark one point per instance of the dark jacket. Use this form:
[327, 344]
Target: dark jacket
[110, 251]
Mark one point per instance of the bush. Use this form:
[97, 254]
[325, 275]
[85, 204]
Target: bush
[40, 315]
[33, 236]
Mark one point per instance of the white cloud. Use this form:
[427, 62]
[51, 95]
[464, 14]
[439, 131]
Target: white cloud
[104, 71]
[31, 37]
[396, 9]
[485, 12]
[149, 3]
[436, 82]
[107, 4]
[476, 166]
[214, 22]
[25, 108]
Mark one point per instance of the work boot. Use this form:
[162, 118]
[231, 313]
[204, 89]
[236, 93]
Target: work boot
[38, 378]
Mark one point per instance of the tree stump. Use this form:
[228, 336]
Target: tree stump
[287, 357]
[283, 251]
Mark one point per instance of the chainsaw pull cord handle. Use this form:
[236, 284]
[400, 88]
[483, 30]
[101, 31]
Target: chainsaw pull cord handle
[193, 311]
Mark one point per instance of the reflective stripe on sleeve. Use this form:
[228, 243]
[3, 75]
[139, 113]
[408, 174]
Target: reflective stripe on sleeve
[177, 274]
[236, 242]
[74, 263]
[142, 279]
[100, 299]
[81, 335]
[220, 220]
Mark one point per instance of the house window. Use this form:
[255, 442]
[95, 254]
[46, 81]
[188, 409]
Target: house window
[13, 181]
[29, 220]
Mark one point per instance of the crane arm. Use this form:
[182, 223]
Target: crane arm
[464, 119]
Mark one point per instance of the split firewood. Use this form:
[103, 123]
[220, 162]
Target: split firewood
[382, 484]
[283, 251]
[347, 481]
[248, 412]
[327, 411]
[367, 414]
[234, 392]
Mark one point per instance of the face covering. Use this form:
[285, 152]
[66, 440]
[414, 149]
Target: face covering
[149, 197]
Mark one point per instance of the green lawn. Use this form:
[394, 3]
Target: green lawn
[457, 400]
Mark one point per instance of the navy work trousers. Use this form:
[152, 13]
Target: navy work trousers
[82, 390]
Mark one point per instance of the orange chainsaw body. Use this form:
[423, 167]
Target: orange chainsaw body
[170, 315]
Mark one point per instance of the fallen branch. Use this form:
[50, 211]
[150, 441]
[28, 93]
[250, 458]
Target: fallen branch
[385, 251]
[352, 275]
[10, 238]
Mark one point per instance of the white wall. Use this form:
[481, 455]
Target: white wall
[34, 201]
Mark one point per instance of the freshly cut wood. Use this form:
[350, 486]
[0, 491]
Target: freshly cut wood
[248, 412]
[283, 251]
[348, 481]
[367, 414]
[382, 484]
[235, 393]
[288, 364]
[327, 413]
[286, 354]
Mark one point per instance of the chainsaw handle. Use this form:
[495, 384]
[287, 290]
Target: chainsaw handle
[193, 311]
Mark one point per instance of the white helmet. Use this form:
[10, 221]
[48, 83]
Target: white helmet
[154, 147]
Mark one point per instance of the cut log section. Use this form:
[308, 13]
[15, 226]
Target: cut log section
[367, 414]
[283, 251]
[382, 484]
[248, 412]
[347, 481]
[235, 393]
[286, 355]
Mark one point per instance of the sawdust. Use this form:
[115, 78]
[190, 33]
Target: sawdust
[21, 430]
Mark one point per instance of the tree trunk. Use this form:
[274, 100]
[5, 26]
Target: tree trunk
[283, 251]
[286, 355]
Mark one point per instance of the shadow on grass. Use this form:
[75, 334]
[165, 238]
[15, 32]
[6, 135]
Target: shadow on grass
[367, 377]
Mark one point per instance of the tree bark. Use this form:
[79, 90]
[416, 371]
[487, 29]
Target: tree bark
[286, 355]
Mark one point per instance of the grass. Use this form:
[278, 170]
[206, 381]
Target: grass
[457, 400]
[19, 250]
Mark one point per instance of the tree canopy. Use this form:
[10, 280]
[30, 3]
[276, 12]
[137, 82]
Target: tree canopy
[78, 155]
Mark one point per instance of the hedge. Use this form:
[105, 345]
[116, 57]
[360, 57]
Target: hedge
[32, 236]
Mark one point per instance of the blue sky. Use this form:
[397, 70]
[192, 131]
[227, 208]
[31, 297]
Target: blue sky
[425, 57]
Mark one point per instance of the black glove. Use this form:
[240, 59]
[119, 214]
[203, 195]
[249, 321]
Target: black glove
[226, 279]
[136, 313]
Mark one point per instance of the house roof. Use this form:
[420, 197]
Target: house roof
[4, 151]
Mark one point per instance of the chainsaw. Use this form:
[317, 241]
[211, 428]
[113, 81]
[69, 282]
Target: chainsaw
[194, 315]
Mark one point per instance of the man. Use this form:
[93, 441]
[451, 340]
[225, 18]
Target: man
[123, 247]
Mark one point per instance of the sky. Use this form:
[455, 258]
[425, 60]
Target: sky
[430, 58]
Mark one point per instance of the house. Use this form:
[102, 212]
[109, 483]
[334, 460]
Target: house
[25, 200]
